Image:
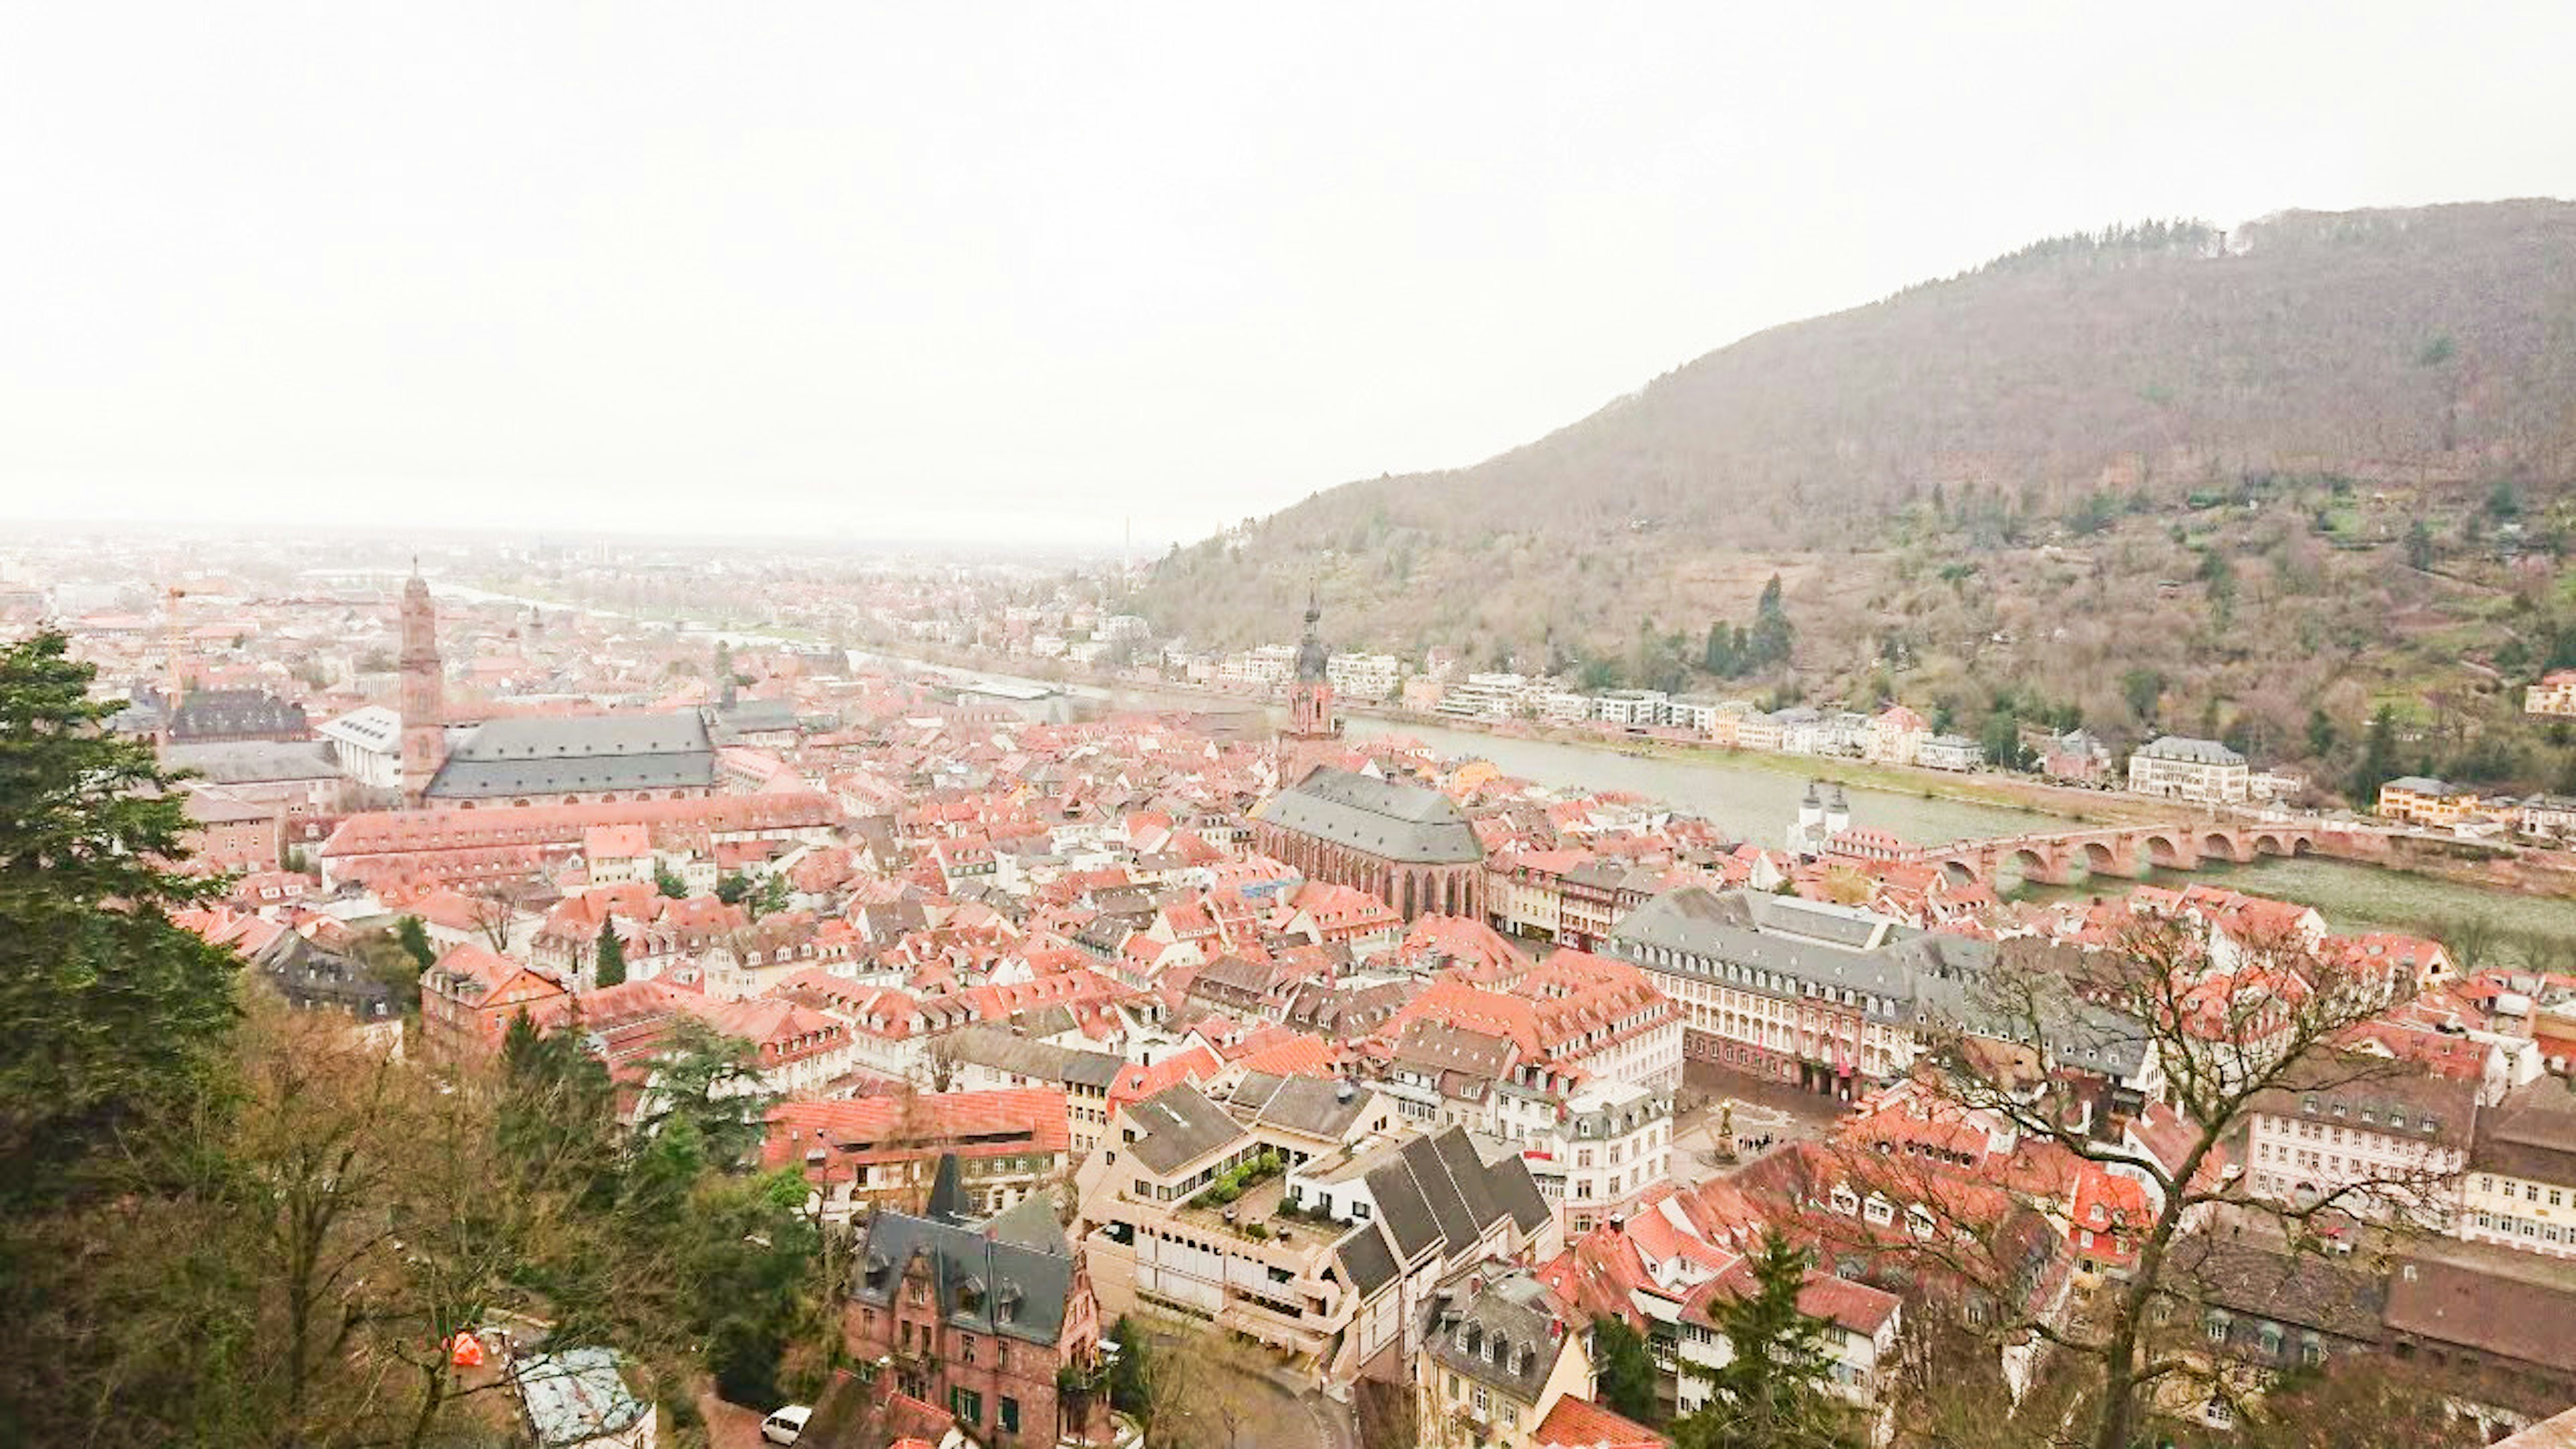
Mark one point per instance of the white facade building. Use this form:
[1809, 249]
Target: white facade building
[1369, 677]
[2187, 769]
[367, 746]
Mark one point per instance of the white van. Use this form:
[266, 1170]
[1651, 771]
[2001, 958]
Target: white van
[786, 1425]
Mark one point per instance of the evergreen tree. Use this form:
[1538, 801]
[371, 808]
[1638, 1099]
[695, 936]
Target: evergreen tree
[668, 882]
[1718, 657]
[1623, 1370]
[732, 887]
[1131, 1377]
[557, 1117]
[2378, 757]
[414, 939]
[609, 957]
[2321, 733]
[1771, 1394]
[712, 1083]
[105, 1005]
[1771, 634]
[2002, 740]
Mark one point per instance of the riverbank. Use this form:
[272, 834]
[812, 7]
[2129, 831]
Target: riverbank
[2074, 805]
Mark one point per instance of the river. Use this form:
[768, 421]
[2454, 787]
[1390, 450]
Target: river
[1759, 803]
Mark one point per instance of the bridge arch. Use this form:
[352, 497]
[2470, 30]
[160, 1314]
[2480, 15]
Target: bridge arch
[2160, 848]
[2098, 857]
[2026, 862]
[2220, 844]
[2267, 843]
[1959, 871]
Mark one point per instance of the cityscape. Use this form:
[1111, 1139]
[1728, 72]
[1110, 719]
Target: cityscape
[864, 730]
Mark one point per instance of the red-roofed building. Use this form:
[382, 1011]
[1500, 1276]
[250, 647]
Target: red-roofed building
[1136, 1083]
[460, 844]
[1582, 1424]
[468, 996]
[882, 1151]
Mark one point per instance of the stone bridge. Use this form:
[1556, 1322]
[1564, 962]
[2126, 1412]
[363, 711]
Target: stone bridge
[2067, 857]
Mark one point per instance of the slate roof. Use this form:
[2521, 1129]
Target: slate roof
[2300, 1289]
[2531, 1134]
[1309, 1105]
[2396, 1100]
[244, 762]
[1508, 1335]
[2518, 1306]
[982, 1282]
[2185, 748]
[1767, 933]
[1438, 1191]
[547, 754]
[1365, 1258]
[1392, 821]
[1180, 1126]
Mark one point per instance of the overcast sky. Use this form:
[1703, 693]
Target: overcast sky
[1036, 271]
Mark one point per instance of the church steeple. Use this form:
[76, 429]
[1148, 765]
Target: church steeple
[1312, 731]
[422, 692]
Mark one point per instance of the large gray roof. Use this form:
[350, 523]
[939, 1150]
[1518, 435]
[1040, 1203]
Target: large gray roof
[990, 1046]
[1907, 978]
[246, 762]
[1180, 1126]
[1308, 1105]
[554, 755]
[1762, 933]
[1366, 1259]
[1405, 823]
[1437, 1190]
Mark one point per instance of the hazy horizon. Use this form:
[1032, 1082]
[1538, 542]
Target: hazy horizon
[899, 277]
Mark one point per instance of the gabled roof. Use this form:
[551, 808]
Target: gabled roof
[1179, 1126]
[980, 1282]
[1379, 817]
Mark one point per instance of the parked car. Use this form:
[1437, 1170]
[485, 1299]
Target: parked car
[787, 1425]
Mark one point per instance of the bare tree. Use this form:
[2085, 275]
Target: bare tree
[494, 915]
[2220, 1029]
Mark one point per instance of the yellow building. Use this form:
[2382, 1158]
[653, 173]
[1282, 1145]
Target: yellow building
[2426, 801]
[2520, 1189]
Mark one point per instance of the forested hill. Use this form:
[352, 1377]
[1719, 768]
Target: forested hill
[2161, 477]
[2163, 359]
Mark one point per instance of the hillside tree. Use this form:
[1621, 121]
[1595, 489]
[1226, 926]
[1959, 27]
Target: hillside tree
[105, 1004]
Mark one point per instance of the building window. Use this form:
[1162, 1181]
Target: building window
[967, 1404]
[1010, 1420]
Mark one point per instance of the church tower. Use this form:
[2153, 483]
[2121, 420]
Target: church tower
[424, 733]
[1312, 731]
